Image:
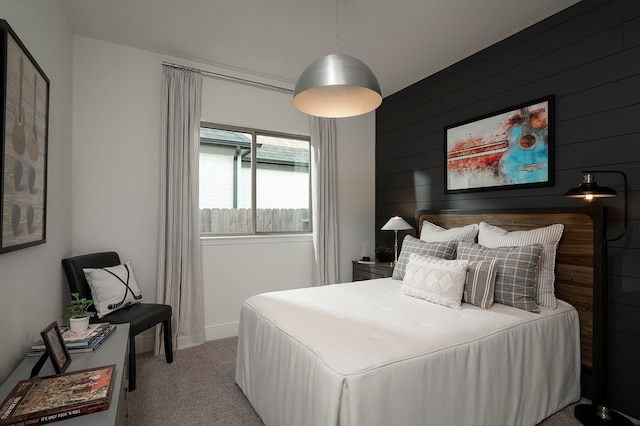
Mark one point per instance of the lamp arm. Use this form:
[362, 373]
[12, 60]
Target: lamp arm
[626, 202]
[626, 207]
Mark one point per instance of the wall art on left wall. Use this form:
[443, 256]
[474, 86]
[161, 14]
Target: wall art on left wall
[24, 93]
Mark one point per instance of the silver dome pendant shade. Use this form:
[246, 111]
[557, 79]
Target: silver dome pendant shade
[336, 86]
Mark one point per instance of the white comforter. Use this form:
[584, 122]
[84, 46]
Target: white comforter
[365, 354]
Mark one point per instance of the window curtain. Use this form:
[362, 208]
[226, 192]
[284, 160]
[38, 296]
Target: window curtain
[180, 282]
[324, 209]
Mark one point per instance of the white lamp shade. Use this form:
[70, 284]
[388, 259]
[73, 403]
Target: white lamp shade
[396, 223]
[337, 86]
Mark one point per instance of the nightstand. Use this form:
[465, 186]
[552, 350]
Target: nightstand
[369, 271]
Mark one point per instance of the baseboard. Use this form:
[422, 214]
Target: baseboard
[221, 331]
[145, 340]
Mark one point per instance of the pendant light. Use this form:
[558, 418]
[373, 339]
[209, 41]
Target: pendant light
[336, 86]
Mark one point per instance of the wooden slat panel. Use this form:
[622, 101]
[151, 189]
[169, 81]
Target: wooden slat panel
[576, 265]
[240, 221]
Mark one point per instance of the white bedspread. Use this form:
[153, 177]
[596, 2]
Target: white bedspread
[365, 354]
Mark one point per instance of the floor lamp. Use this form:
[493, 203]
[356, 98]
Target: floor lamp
[598, 413]
[396, 224]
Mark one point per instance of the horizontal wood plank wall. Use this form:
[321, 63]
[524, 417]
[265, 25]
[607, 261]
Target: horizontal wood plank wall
[588, 56]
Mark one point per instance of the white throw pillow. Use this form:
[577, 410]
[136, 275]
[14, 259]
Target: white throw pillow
[549, 236]
[435, 280]
[113, 287]
[432, 232]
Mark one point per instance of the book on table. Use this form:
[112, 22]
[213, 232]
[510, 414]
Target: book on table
[98, 336]
[51, 398]
[95, 341]
[76, 338]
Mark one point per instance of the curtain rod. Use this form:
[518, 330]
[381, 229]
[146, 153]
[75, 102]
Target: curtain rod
[231, 78]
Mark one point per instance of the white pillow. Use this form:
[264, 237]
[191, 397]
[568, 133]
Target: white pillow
[432, 232]
[549, 236]
[435, 280]
[113, 288]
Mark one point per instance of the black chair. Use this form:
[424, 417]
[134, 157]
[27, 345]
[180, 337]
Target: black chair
[140, 316]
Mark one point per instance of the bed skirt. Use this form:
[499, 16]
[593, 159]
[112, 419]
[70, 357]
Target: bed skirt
[366, 354]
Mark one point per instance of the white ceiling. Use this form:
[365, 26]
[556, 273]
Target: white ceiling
[402, 41]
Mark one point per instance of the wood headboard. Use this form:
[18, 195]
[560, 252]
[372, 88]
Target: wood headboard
[579, 266]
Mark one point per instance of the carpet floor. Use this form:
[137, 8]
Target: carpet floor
[199, 389]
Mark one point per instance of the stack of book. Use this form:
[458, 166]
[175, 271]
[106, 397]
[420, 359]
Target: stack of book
[86, 341]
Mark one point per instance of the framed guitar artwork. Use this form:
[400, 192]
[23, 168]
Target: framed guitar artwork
[507, 149]
[25, 114]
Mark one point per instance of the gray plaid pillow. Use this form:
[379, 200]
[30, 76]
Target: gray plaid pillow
[441, 249]
[516, 274]
[549, 236]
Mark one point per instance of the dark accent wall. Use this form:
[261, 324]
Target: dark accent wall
[588, 56]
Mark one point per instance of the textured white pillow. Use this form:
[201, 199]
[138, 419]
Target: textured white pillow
[549, 236]
[432, 232]
[113, 288]
[435, 280]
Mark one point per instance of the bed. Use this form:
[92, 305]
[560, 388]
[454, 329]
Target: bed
[365, 353]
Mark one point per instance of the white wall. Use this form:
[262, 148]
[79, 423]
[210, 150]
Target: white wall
[116, 154]
[31, 280]
[116, 151]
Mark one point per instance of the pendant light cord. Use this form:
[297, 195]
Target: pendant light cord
[337, 26]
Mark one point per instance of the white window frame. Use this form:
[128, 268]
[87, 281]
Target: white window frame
[254, 136]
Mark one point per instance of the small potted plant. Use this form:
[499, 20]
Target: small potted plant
[384, 253]
[78, 313]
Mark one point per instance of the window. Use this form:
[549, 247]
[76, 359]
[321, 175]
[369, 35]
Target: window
[253, 181]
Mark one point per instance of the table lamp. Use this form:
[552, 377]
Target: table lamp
[396, 224]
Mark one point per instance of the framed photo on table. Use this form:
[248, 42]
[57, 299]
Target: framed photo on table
[507, 149]
[55, 347]
[24, 98]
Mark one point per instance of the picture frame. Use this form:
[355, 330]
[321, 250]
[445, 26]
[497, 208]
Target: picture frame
[24, 96]
[55, 348]
[507, 149]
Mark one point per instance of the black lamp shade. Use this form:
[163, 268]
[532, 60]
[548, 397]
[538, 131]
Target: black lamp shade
[589, 189]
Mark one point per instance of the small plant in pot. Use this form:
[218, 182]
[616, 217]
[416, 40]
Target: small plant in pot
[384, 253]
[78, 313]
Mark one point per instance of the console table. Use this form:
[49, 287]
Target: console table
[114, 350]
